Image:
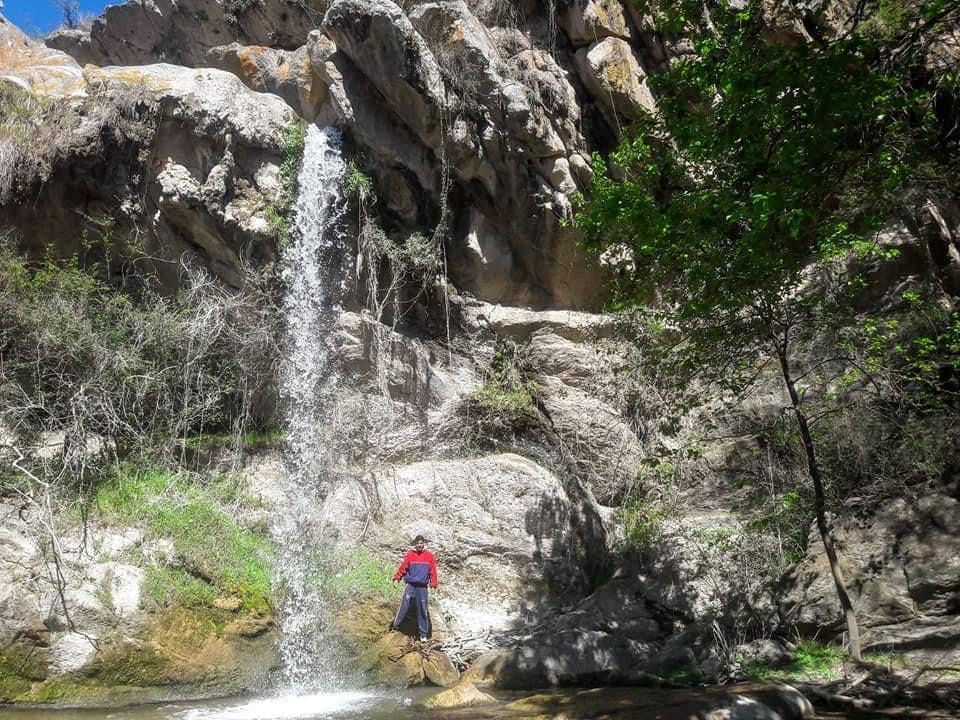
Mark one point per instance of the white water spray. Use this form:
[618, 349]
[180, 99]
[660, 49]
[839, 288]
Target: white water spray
[315, 274]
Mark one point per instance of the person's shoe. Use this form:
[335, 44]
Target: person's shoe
[423, 638]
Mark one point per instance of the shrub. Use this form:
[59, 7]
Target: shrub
[508, 400]
[86, 360]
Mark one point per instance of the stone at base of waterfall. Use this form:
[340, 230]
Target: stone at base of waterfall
[398, 661]
[440, 669]
[391, 661]
[462, 695]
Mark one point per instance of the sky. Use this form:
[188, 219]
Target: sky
[39, 17]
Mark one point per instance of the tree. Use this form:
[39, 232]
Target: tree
[70, 12]
[733, 214]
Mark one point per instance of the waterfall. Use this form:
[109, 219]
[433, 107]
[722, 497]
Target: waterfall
[315, 274]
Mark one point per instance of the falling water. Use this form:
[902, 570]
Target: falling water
[315, 275]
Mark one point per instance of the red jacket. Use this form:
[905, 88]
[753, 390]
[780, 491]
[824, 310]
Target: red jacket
[418, 568]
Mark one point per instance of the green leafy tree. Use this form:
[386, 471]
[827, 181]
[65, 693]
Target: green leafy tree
[733, 215]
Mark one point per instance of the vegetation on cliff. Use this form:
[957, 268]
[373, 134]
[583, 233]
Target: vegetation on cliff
[744, 220]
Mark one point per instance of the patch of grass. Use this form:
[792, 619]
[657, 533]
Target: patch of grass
[252, 440]
[681, 675]
[757, 670]
[164, 587]
[278, 214]
[211, 546]
[357, 573]
[357, 185]
[814, 659]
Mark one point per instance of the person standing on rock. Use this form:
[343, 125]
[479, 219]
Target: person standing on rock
[417, 570]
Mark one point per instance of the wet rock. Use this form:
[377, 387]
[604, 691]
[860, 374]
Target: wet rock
[439, 669]
[463, 694]
[393, 661]
[748, 700]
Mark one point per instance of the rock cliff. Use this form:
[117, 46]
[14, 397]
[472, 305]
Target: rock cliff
[167, 132]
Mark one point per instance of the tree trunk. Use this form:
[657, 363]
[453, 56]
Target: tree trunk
[819, 505]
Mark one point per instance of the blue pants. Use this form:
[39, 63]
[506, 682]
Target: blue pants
[418, 596]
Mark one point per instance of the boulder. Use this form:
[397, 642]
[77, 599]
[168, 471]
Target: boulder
[393, 661]
[902, 567]
[568, 657]
[765, 651]
[35, 67]
[586, 21]
[463, 694]
[614, 78]
[290, 74]
[439, 669]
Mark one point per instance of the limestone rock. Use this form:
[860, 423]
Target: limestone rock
[586, 21]
[214, 102]
[500, 527]
[461, 695]
[614, 78]
[522, 323]
[356, 103]
[603, 445]
[569, 657]
[290, 74]
[141, 32]
[393, 661]
[379, 38]
[186, 159]
[35, 67]
[439, 669]
[902, 566]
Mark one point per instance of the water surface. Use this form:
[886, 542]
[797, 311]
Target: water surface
[347, 705]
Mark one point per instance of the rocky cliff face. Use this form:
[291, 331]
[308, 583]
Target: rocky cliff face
[168, 127]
